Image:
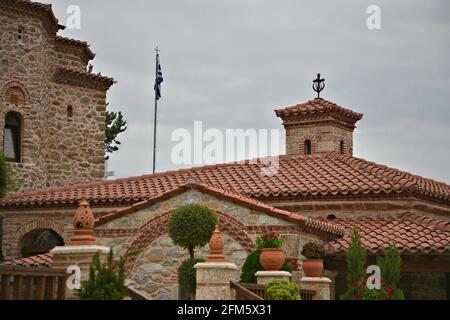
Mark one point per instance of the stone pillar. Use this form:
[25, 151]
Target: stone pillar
[213, 280]
[81, 248]
[264, 277]
[214, 276]
[320, 286]
[80, 256]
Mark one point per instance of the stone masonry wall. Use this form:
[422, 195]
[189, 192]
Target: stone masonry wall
[56, 150]
[324, 139]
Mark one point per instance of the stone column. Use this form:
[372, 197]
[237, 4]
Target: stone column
[320, 286]
[81, 248]
[80, 256]
[264, 277]
[214, 276]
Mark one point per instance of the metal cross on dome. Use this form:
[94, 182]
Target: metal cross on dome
[318, 85]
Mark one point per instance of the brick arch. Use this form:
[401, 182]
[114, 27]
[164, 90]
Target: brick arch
[15, 84]
[41, 224]
[157, 227]
[313, 140]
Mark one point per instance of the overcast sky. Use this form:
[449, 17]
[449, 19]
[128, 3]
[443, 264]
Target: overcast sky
[230, 63]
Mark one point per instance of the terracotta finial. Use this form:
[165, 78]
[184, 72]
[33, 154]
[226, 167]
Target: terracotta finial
[83, 225]
[216, 247]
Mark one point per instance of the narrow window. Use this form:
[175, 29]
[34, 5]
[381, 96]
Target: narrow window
[308, 150]
[12, 137]
[342, 147]
[20, 33]
[69, 112]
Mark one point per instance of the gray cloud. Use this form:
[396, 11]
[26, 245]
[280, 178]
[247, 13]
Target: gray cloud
[230, 63]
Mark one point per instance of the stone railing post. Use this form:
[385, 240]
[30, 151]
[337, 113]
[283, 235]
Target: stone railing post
[265, 277]
[320, 286]
[214, 276]
[81, 248]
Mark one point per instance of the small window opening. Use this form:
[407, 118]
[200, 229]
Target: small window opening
[342, 147]
[12, 137]
[331, 217]
[69, 112]
[308, 150]
[20, 33]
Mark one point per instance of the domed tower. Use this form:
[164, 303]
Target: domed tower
[318, 127]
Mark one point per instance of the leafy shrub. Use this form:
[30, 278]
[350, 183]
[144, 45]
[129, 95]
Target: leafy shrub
[282, 290]
[268, 240]
[313, 250]
[252, 265]
[191, 226]
[106, 281]
[187, 274]
[356, 259]
[360, 291]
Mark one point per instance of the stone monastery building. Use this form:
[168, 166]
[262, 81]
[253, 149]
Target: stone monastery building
[53, 113]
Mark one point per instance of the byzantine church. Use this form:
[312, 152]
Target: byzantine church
[52, 109]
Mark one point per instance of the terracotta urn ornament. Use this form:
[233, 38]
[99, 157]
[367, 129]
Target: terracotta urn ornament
[83, 225]
[272, 259]
[216, 247]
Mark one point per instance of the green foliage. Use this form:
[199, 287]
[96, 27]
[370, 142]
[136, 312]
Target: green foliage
[313, 250]
[282, 290]
[390, 264]
[115, 124]
[191, 226]
[252, 265]
[187, 274]
[268, 240]
[106, 280]
[4, 173]
[374, 294]
[356, 259]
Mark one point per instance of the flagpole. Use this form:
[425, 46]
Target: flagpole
[155, 116]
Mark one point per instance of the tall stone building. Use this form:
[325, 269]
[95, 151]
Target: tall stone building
[52, 110]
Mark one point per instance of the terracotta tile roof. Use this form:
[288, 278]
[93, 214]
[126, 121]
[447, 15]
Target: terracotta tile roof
[317, 106]
[410, 232]
[191, 183]
[301, 176]
[45, 9]
[78, 43]
[41, 260]
[65, 75]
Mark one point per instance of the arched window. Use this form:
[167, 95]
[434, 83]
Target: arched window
[342, 147]
[308, 149]
[69, 112]
[12, 135]
[331, 217]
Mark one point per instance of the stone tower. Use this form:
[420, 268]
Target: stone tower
[318, 127]
[52, 110]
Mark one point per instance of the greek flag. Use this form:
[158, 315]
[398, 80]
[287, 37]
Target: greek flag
[159, 79]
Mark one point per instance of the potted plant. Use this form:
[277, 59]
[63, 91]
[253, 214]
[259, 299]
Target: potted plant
[314, 253]
[272, 256]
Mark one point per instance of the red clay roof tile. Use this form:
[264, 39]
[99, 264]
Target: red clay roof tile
[41, 260]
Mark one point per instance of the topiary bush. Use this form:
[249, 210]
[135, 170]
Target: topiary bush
[313, 250]
[187, 274]
[106, 280]
[191, 226]
[282, 290]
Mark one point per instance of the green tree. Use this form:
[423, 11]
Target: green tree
[115, 124]
[4, 176]
[191, 226]
[390, 264]
[106, 280]
[356, 259]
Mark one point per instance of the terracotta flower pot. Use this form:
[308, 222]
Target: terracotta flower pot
[272, 259]
[313, 268]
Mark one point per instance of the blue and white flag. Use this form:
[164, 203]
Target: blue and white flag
[159, 79]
